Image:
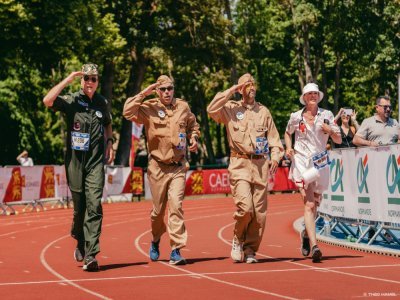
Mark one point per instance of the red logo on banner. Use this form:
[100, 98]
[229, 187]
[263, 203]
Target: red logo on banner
[47, 186]
[134, 184]
[14, 188]
[194, 184]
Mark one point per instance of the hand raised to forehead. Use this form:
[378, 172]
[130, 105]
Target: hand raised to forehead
[73, 75]
[150, 89]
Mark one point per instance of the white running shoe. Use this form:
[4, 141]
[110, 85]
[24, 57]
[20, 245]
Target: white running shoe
[237, 250]
[251, 259]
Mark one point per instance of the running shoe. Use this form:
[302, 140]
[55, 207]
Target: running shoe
[176, 258]
[91, 264]
[237, 250]
[155, 250]
[316, 254]
[251, 259]
[305, 243]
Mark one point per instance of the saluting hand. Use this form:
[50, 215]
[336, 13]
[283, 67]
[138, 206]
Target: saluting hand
[237, 87]
[150, 89]
[70, 78]
[193, 145]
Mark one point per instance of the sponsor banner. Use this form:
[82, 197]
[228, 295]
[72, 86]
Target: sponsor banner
[364, 184]
[123, 181]
[47, 185]
[60, 182]
[207, 182]
[5, 175]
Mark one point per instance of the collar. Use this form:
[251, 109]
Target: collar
[248, 106]
[378, 120]
[172, 105]
[85, 97]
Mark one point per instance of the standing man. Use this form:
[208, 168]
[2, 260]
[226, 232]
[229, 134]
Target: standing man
[312, 127]
[168, 124]
[89, 143]
[252, 136]
[379, 129]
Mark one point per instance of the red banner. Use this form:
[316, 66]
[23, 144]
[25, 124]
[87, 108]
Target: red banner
[47, 185]
[14, 188]
[134, 182]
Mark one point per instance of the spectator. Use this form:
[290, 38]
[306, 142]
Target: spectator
[379, 129]
[348, 126]
[24, 159]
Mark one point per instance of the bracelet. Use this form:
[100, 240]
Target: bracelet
[110, 139]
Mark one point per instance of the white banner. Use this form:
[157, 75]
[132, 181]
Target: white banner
[364, 184]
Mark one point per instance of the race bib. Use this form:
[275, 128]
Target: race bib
[261, 146]
[321, 160]
[80, 141]
[182, 141]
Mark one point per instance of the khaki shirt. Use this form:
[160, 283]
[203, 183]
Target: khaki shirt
[165, 126]
[245, 124]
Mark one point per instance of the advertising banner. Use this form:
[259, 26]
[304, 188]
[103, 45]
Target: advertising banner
[364, 184]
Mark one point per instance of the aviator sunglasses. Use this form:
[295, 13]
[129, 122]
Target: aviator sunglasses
[168, 88]
[92, 78]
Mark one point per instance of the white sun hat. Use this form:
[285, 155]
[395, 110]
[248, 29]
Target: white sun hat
[311, 87]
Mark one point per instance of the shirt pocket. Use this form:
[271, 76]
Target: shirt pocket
[182, 126]
[238, 134]
[158, 127]
[261, 131]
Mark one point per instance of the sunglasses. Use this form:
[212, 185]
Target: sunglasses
[386, 107]
[168, 88]
[92, 78]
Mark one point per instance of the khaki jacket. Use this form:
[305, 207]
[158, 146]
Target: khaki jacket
[167, 127]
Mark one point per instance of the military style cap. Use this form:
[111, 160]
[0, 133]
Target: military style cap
[90, 69]
[246, 78]
[164, 79]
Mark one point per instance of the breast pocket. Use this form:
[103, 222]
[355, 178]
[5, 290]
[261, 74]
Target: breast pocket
[158, 127]
[182, 126]
[261, 131]
[238, 134]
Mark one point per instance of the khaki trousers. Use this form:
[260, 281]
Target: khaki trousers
[248, 181]
[167, 185]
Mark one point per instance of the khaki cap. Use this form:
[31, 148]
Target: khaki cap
[90, 69]
[164, 79]
[246, 78]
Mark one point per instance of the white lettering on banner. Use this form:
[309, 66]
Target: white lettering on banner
[219, 180]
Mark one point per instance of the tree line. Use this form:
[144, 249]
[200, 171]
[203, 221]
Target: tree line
[351, 48]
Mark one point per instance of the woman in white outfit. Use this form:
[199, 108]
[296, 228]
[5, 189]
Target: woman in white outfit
[312, 126]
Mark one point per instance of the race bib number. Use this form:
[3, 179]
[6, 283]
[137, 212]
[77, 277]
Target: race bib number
[261, 146]
[321, 160]
[182, 141]
[80, 141]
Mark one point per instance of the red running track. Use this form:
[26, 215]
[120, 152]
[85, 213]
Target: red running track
[36, 260]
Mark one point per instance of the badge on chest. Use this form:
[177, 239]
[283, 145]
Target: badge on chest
[80, 141]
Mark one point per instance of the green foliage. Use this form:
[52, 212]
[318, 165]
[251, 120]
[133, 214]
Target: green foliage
[351, 47]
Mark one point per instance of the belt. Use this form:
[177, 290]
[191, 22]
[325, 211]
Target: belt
[172, 163]
[247, 156]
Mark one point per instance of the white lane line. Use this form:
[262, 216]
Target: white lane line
[307, 266]
[158, 276]
[138, 247]
[63, 279]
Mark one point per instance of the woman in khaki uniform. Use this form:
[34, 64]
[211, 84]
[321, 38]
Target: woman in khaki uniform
[168, 123]
[252, 137]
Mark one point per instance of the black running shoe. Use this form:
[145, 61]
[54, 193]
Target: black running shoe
[305, 243]
[91, 264]
[316, 254]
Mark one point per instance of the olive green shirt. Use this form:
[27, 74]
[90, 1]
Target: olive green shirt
[83, 116]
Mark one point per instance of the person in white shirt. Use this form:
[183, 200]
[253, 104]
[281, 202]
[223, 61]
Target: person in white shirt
[312, 127]
[24, 159]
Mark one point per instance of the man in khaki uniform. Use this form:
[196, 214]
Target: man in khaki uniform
[168, 123]
[252, 135]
